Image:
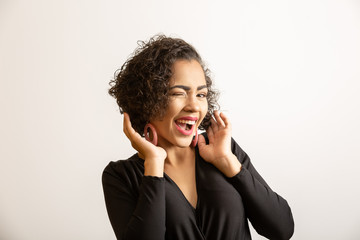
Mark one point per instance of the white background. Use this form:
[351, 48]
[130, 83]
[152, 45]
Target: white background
[288, 72]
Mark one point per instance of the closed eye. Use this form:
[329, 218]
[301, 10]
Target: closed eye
[178, 94]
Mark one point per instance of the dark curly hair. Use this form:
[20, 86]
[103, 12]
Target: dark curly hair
[141, 85]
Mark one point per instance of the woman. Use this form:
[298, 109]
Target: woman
[181, 185]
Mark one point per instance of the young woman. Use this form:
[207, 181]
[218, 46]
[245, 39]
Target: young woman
[181, 185]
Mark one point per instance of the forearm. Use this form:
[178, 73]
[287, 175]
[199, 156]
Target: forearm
[230, 166]
[148, 219]
[268, 212]
[136, 206]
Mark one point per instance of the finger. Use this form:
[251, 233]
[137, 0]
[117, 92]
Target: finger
[218, 119]
[214, 125]
[210, 133]
[225, 119]
[125, 124]
[201, 141]
[137, 142]
[128, 129]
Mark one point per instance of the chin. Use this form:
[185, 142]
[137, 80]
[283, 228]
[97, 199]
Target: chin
[183, 144]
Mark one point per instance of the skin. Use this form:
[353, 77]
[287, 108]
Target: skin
[174, 155]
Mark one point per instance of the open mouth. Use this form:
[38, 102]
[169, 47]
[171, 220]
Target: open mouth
[185, 126]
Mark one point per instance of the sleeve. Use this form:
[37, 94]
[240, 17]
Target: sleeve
[135, 216]
[268, 212]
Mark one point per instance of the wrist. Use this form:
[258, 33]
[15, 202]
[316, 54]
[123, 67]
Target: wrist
[233, 166]
[154, 167]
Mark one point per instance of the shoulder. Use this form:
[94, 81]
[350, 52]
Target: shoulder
[124, 169]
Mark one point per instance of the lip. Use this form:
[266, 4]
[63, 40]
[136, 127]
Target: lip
[188, 118]
[183, 131]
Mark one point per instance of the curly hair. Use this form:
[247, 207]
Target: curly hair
[141, 85]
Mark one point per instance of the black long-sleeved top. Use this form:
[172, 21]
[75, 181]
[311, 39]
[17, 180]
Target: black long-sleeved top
[146, 207]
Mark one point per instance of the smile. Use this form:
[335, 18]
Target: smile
[185, 125]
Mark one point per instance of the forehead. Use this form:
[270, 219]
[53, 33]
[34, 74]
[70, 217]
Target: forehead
[188, 73]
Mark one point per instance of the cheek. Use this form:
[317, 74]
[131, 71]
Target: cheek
[172, 110]
[204, 109]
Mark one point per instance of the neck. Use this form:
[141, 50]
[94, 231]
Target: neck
[177, 156]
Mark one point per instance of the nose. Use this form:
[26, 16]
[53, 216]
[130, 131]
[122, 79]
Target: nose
[192, 104]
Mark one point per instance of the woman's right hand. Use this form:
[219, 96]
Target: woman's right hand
[154, 156]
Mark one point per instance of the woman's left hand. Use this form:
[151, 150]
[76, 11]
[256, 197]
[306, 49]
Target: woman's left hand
[218, 151]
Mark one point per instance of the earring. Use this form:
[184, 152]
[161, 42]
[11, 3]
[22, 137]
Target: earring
[154, 134]
[195, 139]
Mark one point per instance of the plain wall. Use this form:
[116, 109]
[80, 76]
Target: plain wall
[288, 72]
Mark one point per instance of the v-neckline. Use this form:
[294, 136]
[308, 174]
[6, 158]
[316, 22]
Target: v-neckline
[181, 192]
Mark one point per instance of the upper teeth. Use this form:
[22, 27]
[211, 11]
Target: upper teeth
[186, 122]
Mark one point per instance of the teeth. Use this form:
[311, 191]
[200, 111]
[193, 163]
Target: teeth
[186, 122]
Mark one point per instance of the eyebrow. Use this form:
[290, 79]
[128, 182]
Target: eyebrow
[186, 88]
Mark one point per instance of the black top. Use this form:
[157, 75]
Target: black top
[146, 207]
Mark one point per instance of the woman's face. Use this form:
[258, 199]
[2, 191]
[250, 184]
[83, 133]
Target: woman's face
[187, 106]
